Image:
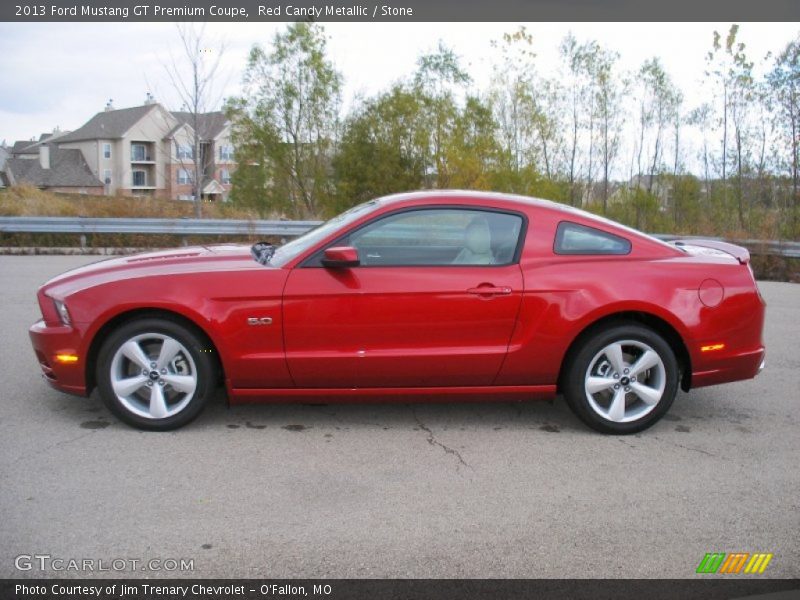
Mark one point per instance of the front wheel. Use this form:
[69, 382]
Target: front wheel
[155, 374]
[622, 379]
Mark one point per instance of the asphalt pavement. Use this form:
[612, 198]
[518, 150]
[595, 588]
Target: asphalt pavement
[394, 490]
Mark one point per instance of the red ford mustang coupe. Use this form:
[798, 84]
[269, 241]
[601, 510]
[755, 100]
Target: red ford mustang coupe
[434, 295]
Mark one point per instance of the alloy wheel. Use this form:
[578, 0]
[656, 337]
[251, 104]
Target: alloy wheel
[625, 381]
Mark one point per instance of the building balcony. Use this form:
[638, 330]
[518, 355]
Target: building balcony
[143, 153]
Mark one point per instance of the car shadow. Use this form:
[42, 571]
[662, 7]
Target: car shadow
[549, 416]
[552, 416]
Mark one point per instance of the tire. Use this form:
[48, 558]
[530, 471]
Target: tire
[620, 357]
[147, 390]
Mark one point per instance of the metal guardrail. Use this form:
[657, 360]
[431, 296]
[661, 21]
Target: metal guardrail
[185, 227]
[89, 225]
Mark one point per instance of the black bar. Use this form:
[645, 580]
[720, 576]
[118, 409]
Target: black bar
[399, 10]
[712, 588]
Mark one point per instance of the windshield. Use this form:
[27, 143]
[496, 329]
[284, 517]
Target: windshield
[299, 245]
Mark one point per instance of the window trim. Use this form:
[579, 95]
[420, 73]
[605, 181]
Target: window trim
[133, 178]
[559, 236]
[107, 146]
[143, 146]
[225, 152]
[313, 260]
[184, 151]
[189, 176]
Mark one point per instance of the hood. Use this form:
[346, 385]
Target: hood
[196, 259]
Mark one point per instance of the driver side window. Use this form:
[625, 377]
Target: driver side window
[441, 236]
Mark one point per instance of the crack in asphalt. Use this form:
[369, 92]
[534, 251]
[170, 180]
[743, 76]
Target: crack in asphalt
[694, 449]
[677, 445]
[55, 445]
[434, 442]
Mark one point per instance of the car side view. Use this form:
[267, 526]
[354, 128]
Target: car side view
[423, 296]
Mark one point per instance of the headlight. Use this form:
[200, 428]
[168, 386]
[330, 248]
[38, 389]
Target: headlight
[62, 311]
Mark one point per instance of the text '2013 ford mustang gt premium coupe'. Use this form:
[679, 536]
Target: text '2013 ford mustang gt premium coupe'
[422, 296]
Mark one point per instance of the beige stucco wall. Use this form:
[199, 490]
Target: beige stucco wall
[151, 129]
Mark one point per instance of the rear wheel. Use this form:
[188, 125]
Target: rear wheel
[155, 374]
[622, 379]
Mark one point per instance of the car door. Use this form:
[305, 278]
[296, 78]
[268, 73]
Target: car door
[432, 303]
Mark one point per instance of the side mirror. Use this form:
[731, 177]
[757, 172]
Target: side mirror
[341, 257]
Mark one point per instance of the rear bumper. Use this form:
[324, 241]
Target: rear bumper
[48, 342]
[744, 365]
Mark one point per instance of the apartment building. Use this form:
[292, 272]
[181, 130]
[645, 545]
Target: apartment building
[143, 151]
[44, 165]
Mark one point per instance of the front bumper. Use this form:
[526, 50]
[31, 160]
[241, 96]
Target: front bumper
[48, 342]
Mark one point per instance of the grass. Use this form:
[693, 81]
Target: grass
[28, 201]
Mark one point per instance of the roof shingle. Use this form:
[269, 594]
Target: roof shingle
[20, 145]
[209, 125]
[108, 125]
[67, 169]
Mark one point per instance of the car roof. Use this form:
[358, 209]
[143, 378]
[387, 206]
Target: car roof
[468, 194]
[526, 201]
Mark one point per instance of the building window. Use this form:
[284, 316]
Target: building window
[139, 178]
[184, 151]
[139, 152]
[226, 152]
[225, 176]
[184, 177]
[107, 176]
[106, 150]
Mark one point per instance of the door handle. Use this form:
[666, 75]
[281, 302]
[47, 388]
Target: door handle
[490, 290]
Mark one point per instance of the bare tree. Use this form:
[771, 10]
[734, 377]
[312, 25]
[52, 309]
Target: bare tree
[573, 57]
[700, 118]
[193, 76]
[733, 72]
[784, 85]
[609, 92]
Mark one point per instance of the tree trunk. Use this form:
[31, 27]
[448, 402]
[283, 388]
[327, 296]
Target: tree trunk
[795, 182]
[725, 145]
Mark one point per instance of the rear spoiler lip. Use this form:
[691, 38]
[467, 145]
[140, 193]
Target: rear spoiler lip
[738, 252]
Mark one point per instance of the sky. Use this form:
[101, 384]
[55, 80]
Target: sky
[61, 74]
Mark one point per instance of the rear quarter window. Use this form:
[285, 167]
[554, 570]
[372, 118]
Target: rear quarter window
[572, 238]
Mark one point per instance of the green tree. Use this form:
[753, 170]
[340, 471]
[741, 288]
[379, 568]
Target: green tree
[474, 154]
[439, 74]
[383, 149]
[418, 135]
[286, 123]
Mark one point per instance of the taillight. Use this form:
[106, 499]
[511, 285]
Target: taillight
[755, 283]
